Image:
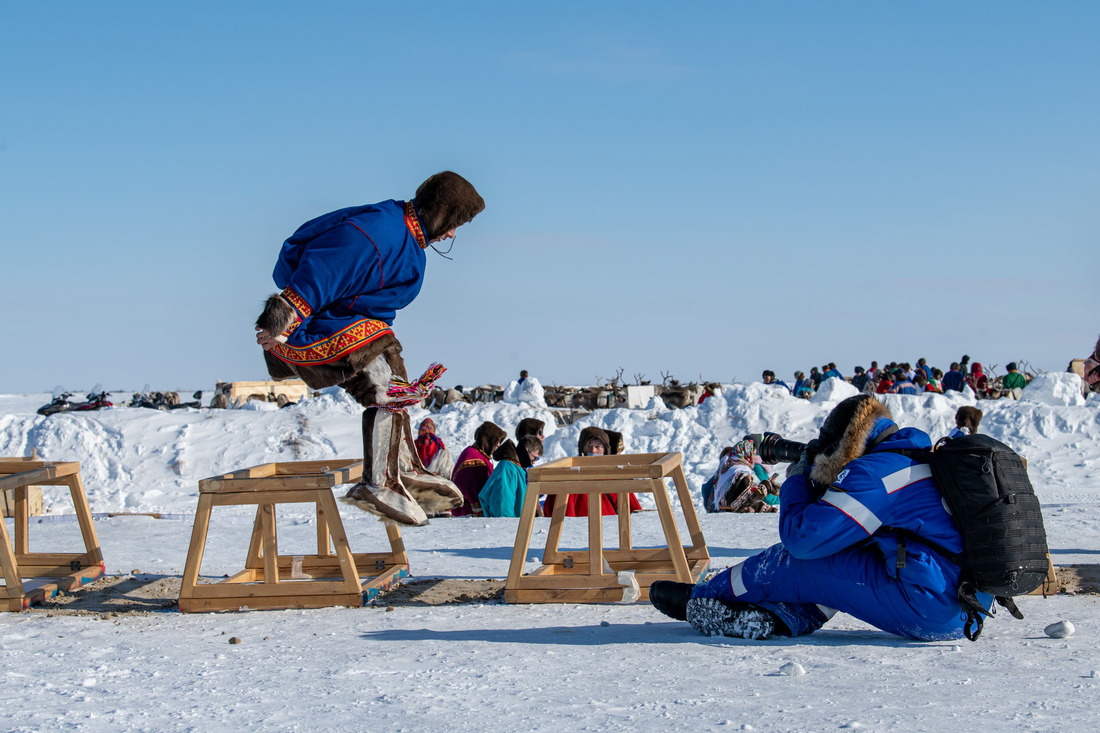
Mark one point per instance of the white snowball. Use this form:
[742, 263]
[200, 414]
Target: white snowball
[1059, 630]
[792, 669]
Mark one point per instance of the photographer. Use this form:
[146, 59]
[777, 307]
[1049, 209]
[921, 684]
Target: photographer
[852, 515]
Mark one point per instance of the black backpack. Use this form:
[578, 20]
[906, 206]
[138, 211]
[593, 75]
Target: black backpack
[985, 487]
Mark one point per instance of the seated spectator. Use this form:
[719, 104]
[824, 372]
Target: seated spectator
[967, 419]
[735, 486]
[1013, 383]
[978, 381]
[433, 453]
[922, 366]
[525, 390]
[803, 388]
[831, 372]
[474, 467]
[595, 442]
[529, 426]
[953, 380]
[769, 378]
[903, 385]
[504, 492]
[935, 382]
[873, 370]
[1092, 369]
[815, 378]
[885, 383]
[861, 378]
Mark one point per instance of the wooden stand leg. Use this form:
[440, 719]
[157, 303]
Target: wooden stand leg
[198, 546]
[523, 533]
[270, 542]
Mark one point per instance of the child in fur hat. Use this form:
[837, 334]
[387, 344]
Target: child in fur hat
[344, 276]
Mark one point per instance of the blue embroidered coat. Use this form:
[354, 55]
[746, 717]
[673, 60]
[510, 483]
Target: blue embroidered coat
[346, 274]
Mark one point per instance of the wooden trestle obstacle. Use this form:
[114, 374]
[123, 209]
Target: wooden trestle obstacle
[32, 577]
[595, 574]
[333, 577]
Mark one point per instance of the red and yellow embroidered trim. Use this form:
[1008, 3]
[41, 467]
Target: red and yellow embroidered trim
[330, 349]
[298, 302]
[413, 223]
[471, 463]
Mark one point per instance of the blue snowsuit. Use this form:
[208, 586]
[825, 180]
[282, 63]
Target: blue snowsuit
[838, 552]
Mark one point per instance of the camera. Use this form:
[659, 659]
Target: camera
[774, 448]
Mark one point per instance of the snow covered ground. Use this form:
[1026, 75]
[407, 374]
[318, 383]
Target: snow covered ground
[500, 667]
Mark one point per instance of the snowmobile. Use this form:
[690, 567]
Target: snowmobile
[95, 400]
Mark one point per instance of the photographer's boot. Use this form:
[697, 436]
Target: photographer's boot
[671, 598]
[712, 617]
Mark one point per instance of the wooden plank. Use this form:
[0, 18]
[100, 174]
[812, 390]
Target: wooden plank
[687, 508]
[199, 605]
[597, 473]
[84, 516]
[569, 595]
[672, 536]
[48, 475]
[597, 486]
[550, 553]
[340, 540]
[523, 535]
[267, 483]
[196, 548]
[12, 581]
[397, 544]
[269, 543]
[595, 535]
[262, 469]
[622, 503]
[567, 582]
[264, 588]
[665, 465]
[308, 496]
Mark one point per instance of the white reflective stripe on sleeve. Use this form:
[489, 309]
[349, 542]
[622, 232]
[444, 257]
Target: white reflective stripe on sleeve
[846, 503]
[736, 582]
[829, 612]
[904, 477]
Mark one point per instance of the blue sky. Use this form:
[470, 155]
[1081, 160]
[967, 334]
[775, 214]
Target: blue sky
[697, 189]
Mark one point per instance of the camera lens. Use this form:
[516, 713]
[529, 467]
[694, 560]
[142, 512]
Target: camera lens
[773, 448]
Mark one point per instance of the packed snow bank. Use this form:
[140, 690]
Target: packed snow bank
[833, 390]
[1059, 389]
[135, 459]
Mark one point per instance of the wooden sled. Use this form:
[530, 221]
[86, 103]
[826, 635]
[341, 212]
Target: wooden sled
[599, 575]
[333, 577]
[33, 577]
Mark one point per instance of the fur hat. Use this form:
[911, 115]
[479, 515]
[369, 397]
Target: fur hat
[616, 440]
[968, 417]
[488, 436]
[592, 432]
[844, 434]
[445, 201]
[529, 426]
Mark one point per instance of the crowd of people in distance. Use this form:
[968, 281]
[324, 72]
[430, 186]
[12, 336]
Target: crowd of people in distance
[906, 378]
[492, 472]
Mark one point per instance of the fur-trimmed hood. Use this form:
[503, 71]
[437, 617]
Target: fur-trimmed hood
[506, 451]
[845, 434]
[529, 426]
[488, 437]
